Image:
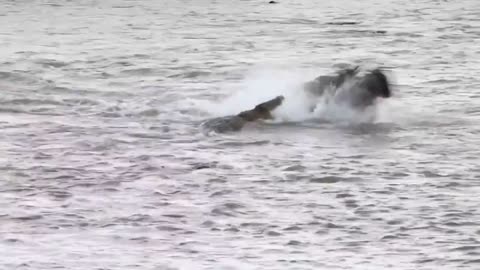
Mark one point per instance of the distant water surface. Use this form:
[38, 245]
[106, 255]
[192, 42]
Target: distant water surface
[103, 165]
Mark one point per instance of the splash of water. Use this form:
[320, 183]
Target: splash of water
[298, 106]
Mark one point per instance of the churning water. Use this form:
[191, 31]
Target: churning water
[103, 165]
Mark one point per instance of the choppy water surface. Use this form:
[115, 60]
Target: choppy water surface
[103, 165]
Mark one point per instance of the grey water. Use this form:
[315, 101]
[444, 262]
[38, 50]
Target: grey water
[103, 165]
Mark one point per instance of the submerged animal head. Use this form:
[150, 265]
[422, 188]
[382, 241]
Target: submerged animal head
[270, 105]
[262, 110]
[377, 84]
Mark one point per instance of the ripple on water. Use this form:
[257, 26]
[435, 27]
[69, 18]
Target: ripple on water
[101, 155]
[229, 209]
[333, 179]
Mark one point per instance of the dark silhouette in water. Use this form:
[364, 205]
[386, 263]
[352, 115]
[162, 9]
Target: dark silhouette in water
[237, 122]
[347, 86]
[342, 23]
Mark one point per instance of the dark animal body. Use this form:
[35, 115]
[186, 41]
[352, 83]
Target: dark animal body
[347, 86]
[237, 122]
